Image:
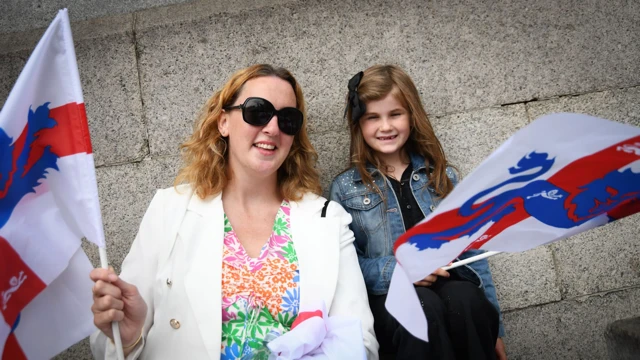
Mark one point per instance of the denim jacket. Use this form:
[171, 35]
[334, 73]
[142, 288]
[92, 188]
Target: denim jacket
[376, 226]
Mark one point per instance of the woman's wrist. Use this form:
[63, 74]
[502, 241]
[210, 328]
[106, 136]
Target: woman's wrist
[127, 347]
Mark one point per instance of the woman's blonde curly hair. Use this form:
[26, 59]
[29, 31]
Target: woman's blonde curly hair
[205, 153]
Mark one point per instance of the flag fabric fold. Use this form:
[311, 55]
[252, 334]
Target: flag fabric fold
[315, 335]
[48, 203]
[561, 175]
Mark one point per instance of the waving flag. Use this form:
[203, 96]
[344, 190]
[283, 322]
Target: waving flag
[561, 175]
[48, 203]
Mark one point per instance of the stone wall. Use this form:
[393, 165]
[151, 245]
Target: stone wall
[485, 69]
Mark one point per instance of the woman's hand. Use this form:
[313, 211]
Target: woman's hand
[116, 300]
[501, 352]
[429, 280]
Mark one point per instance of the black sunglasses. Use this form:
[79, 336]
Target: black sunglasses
[258, 112]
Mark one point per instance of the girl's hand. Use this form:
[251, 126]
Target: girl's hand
[429, 280]
[116, 300]
[501, 352]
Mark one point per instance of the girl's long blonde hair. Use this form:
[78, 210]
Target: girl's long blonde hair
[205, 153]
[377, 82]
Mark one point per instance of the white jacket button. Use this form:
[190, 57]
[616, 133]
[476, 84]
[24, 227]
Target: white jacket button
[416, 177]
[366, 201]
[169, 282]
[174, 324]
[432, 207]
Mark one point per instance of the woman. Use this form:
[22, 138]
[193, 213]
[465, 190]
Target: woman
[223, 264]
[398, 176]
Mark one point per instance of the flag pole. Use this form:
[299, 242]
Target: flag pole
[470, 260]
[104, 262]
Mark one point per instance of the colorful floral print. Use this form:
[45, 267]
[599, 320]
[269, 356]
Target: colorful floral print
[260, 296]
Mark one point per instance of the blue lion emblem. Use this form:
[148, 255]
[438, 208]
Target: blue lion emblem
[549, 202]
[581, 191]
[20, 173]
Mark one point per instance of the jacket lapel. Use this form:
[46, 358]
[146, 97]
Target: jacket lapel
[318, 253]
[202, 231]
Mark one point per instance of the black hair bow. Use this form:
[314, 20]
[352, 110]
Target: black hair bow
[358, 107]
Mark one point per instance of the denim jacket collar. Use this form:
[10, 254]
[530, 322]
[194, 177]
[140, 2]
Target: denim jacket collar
[417, 162]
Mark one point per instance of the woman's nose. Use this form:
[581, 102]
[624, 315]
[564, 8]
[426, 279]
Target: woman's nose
[272, 126]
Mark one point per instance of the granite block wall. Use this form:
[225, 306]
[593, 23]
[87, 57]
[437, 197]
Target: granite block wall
[484, 69]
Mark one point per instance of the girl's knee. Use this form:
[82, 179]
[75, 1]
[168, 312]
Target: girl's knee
[430, 301]
[460, 295]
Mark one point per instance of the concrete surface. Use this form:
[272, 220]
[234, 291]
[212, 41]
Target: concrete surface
[484, 69]
[469, 137]
[533, 283]
[569, 329]
[20, 15]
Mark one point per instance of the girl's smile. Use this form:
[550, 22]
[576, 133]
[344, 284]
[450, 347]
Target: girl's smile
[386, 128]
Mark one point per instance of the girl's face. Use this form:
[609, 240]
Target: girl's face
[385, 127]
[258, 151]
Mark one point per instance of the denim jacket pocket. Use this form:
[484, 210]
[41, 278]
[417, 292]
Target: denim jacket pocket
[368, 212]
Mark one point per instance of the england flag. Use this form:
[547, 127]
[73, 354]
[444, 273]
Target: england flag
[48, 203]
[561, 175]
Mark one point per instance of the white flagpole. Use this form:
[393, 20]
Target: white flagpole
[471, 259]
[114, 325]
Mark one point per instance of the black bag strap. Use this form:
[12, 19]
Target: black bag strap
[324, 209]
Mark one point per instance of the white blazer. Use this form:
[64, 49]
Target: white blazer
[176, 263]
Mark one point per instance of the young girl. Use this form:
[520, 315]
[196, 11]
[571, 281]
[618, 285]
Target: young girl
[398, 176]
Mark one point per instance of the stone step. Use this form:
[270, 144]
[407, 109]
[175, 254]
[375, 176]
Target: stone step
[623, 339]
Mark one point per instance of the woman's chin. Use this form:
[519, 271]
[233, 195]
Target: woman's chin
[266, 169]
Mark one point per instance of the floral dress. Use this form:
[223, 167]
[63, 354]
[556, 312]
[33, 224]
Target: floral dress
[260, 296]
